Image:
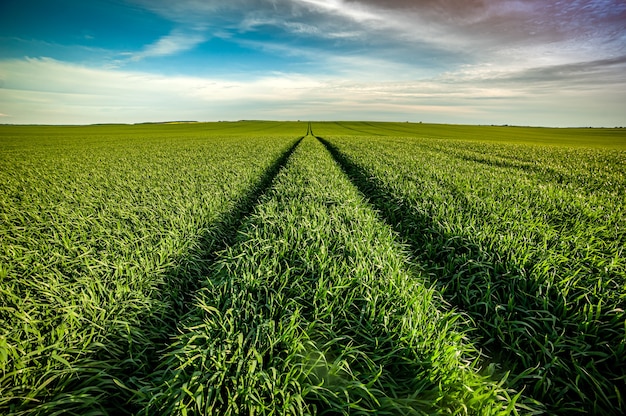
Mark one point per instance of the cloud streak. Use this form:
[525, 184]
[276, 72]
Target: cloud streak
[53, 90]
[484, 61]
[426, 33]
[176, 42]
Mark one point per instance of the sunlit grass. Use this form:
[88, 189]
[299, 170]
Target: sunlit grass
[204, 268]
[102, 241]
[317, 309]
[529, 240]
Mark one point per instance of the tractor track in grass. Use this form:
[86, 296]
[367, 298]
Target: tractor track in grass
[401, 218]
[106, 378]
[208, 251]
[374, 197]
[500, 333]
[233, 220]
[379, 199]
[217, 238]
[316, 308]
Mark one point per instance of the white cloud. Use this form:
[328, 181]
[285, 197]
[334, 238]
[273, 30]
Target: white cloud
[177, 41]
[354, 11]
[49, 91]
[511, 34]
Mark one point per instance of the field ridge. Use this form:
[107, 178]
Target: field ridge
[227, 230]
[583, 373]
[315, 309]
[109, 372]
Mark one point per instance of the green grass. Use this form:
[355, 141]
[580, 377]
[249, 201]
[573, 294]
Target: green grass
[102, 239]
[613, 138]
[204, 268]
[528, 240]
[317, 309]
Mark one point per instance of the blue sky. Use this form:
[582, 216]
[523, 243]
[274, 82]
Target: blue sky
[525, 62]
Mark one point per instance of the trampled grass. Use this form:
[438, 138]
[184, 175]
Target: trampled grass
[317, 309]
[203, 268]
[528, 240]
[102, 239]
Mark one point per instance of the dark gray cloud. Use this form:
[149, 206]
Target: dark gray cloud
[589, 75]
[517, 21]
[446, 24]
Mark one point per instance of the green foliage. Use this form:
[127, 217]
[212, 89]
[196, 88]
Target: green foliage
[204, 268]
[103, 238]
[316, 309]
[528, 240]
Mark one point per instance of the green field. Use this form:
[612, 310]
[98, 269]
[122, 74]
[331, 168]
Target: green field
[312, 268]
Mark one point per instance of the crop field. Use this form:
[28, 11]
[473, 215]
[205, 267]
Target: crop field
[267, 268]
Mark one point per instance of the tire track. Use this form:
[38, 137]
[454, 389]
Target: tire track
[212, 242]
[522, 321]
[318, 279]
[401, 218]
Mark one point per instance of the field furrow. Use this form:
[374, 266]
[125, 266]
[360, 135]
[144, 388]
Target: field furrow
[386, 268]
[104, 239]
[317, 310]
[537, 262]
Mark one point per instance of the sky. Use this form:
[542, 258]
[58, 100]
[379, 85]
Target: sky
[521, 62]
